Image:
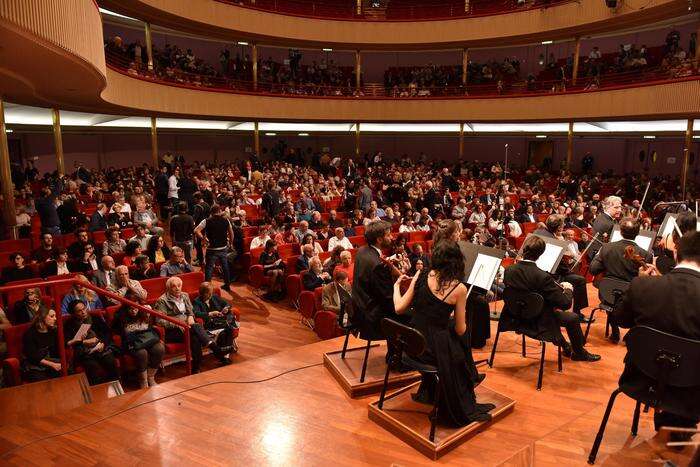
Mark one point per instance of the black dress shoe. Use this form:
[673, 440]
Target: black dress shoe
[585, 357]
[566, 351]
[614, 339]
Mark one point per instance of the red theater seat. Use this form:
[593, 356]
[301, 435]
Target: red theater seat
[293, 284]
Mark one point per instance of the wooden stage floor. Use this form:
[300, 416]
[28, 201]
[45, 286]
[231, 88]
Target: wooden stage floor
[305, 418]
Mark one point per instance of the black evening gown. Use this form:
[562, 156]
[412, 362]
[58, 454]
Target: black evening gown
[451, 354]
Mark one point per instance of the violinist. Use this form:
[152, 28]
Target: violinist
[621, 260]
[605, 221]
[686, 222]
[554, 228]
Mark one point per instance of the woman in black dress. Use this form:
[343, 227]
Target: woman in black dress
[436, 295]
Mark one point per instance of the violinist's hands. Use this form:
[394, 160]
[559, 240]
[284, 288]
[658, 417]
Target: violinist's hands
[397, 284]
[567, 286]
[649, 270]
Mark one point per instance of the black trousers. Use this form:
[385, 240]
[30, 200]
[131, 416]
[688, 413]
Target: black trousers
[663, 418]
[580, 292]
[199, 338]
[479, 319]
[572, 324]
[100, 367]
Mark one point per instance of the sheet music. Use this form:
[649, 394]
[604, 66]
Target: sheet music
[484, 271]
[642, 241]
[550, 256]
[668, 226]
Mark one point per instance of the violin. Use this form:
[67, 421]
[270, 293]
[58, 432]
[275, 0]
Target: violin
[639, 262]
[395, 272]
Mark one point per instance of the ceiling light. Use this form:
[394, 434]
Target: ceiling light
[270, 134]
[649, 137]
[303, 134]
[696, 137]
[327, 49]
[540, 136]
[8, 130]
[241, 43]
[547, 42]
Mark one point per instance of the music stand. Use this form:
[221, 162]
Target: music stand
[553, 253]
[668, 224]
[644, 240]
[481, 265]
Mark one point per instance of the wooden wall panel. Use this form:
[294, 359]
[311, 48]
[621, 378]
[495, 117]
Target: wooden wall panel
[213, 18]
[680, 99]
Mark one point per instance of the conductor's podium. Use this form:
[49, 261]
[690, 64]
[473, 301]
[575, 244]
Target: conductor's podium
[347, 370]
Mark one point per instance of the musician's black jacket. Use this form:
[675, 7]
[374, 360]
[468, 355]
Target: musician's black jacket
[611, 260]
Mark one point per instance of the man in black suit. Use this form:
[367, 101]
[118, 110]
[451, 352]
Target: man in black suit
[604, 222]
[669, 303]
[554, 228]
[98, 221]
[612, 261]
[527, 276]
[373, 287]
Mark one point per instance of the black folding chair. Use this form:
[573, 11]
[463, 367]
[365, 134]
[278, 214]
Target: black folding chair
[523, 305]
[666, 361]
[610, 291]
[345, 322]
[407, 344]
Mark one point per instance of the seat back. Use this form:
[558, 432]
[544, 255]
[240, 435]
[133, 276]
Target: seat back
[13, 338]
[191, 281]
[611, 290]
[523, 304]
[668, 359]
[403, 337]
[155, 287]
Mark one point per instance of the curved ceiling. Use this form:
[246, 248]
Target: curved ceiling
[231, 22]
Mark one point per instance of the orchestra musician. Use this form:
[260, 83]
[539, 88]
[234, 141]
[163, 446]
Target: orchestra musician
[605, 221]
[525, 275]
[616, 260]
[554, 227]
[373, 284]
[686, 222]
[668, 303]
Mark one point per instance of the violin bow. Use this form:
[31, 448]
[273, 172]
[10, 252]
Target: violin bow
[641, 205]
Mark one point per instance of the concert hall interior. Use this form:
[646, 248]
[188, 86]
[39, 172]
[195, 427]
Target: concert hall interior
[352, 232]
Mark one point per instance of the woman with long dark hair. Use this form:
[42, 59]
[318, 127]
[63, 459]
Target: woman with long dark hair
[435, 294]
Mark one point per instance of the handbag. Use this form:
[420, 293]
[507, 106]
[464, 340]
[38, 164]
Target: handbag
[142, 339]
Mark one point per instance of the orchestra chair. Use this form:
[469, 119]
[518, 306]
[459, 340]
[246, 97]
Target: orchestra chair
[350, 328]
[666, 361]
[407, 344]
[525, 306]
[610, 292]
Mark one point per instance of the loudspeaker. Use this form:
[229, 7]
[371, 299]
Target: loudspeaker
[611, 3]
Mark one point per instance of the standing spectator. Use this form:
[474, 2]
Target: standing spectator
[48, 214]
[98, 221]
[182, 230]
[173, 188]
[217, 233]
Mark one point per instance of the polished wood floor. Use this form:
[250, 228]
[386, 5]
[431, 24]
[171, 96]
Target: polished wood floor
[305, 418]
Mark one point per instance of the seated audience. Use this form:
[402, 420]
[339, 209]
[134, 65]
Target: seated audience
[18, 271]
[307, 252]
[104, 277]
[176, 304]
[80, 292]
[158, 252]
[88, 263]
[46, 249]
[315, 277]
[310, 239]
[339, 239]
[273, 267]
[41, 358]
[124, 285]
[217, 315]
[141, 236]
[76, 250]
[29, 307]
[113, 244]
[331, 299]
[93, 349]
[261, 239]
[143, 269]
[141, 341]
[176, 264]
[59, 265]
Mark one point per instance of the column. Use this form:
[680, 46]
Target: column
[254, 59]
[461, 140]
[8, 204]
[686, 154]
[465, 66]
[697, 47]
[577, 54]
[154, 143]
[357, 140]
[358, 70]
[570, 146]
[359, 8]
[466, 6]
[256, 139]
[149, 45]
[58, 141]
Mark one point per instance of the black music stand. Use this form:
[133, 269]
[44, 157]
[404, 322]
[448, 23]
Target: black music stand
[553, 253]
[645, 239]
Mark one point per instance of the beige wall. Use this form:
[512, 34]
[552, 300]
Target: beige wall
[680, 99]
[212, 18]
